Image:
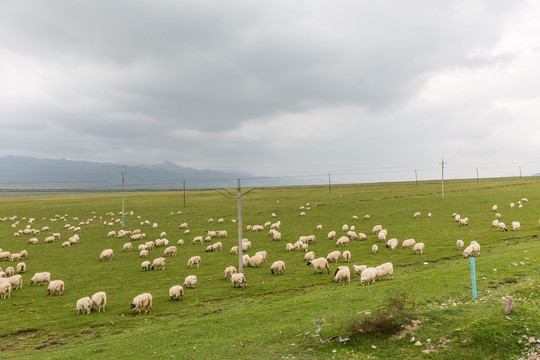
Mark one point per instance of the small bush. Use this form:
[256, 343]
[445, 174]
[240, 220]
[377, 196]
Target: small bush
[390, 316]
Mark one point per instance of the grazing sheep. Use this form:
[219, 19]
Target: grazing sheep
[142, 301]
[264, 255]
[49, 239]
[145, 265]
[358, 269]
[319, 227]
[375, 248]
[176, 293]
[331, 235]
[42, 277]
[289, 247]
[277, 267]
[33, 241]
[99, 300]
[246, 244]
[183, 226]
[416, 215]
[158, 263]
[149, 245]
[418, 247]
[143, 253]
[385, 269]
[392, 244]
[128, 246]
[180, 242]
[309, 256]
[319, 265]
[464, 221]
[381, 236]
[229, 271]
[498, 216]
[84, 304]
[106, 254]
[15, 281]
[342, 241]
[502, 226]
[10, 271]
[516, 225]
[234, 250]
[245, 260]
[142, 247]
[352, 235]
[366, 217]
[469, 251]
[239, 279]
[368, 275]
[376, 229]
[476, 247]
[170, 251]
[5, 290]
[495, 224]
[276, 236]
[21, 267]
[344, 228]
[460, 244]
[198, 240]
[23, 255]
[334, 256]
[361, 236]
[56, 287]
[217, 246]
[494, 208]
[512, 205]
[111, 234]
[256, 261]
[346, 256]
[343, 273]
[194, 260]
[190, 281]
[407, 243]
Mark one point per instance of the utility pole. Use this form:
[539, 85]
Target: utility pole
[520, 171]
[442, 182]
[184, 193]
[240, 252]
[329, 184]
[123, 215]
[477, 177]
[416, 176]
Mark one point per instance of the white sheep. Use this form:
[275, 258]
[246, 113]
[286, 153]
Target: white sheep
[190, 281]
[217, 246]
[128, 246]
[309, 256]
[245, 260]
[366, 217]
[408, 243]
[143, 253]
[344, 228]
[342, 241]
[334, 256]
[10, 271]
[381, 236]
[33, 241]
[319, 227]
[495, 224]
[392, 244]
[494, 208]
[234, 250]
[180, 242]
[256, 261]
[99, 300]
[319, 264]
[384, 270]
[194, 260]
[106, 254]
[263, 253]
[149, 245]
[277, 267]
[512, 205]
[176, 293]
[376, 229]
[346, 256]
[342, 273]
[331, 235]
[361, 236]
[476, 247]
[170, 251]
[498, 216]
[416, 215]
[289, 247]
[56, 287]
[142, 301]
[198, 240]
[41, 277]
[23, 255]
[352, 235]
[358, 269]
[368, 275]
[469, 251]
[239, 279]
[158, 263]
[229, 271]
[16, 281]
[142, 247]
[246, 244]
[502, 226]
[84, 304]
[460, 244]
[5, 290]
[516, 225]
[21, 267]
[145, 265]
[276, 236]
[374, 249]
[418, 247]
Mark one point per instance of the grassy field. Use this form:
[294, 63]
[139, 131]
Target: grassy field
[299, 314]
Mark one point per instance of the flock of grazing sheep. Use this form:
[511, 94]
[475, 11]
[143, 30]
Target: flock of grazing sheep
[10, 281]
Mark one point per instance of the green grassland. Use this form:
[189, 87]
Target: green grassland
[298, 314]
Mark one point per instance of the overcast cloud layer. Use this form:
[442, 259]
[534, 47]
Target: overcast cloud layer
[369, 90]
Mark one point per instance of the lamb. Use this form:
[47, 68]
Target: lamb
[516, 225]
[277, 267]
[502, 226]
[319, 264]
[5, 290]
[142, 301]
[346, 255]
[375, 248]
[21, 267]
[229, 271]
[460, 244]
[56, 287]
[176, 292]
[170, 251]
[392, 244]
[106, 254]
[10, 271]
[158, 263]
[418, 247]
[309, 256]
[42, 277]
[376, 229]
[239, 279]
[145, 265]
[194, 260]
[190, 281]
[256, 261]
[385, 269]
[408, 243]
[99, 300]
[344, 273]
[334, 256]
[368, 275]
[84, 304]
[15, 281]
[143, 253]
[524, 200]
[358, 269]
[331, 235]
[342, 241]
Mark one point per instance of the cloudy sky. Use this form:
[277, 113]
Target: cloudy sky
[366, 90]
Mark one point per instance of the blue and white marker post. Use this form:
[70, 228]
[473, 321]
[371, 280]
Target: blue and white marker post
[473, 277]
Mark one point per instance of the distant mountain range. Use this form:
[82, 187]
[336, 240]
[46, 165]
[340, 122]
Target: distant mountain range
[21, 172]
